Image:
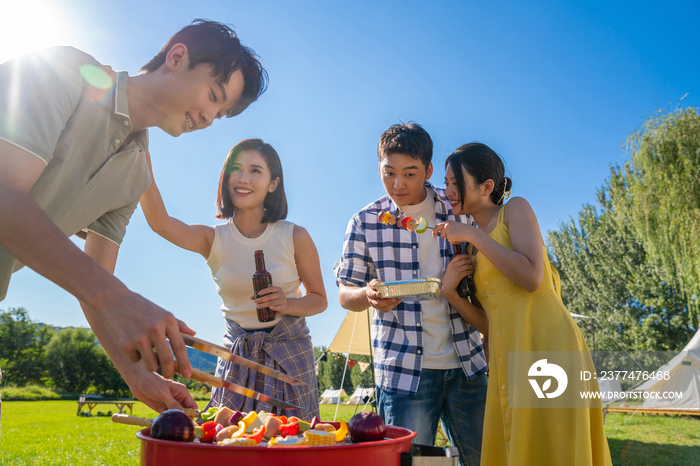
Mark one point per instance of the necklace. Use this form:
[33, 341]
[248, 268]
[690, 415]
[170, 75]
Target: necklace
[252, 233]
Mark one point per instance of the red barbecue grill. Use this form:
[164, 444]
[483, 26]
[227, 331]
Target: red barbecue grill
[387, 452]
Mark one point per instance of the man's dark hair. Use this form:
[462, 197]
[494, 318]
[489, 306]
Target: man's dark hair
[215, 44]
[406, 138]
[275, 202]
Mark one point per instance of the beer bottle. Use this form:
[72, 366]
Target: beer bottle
[261, 280]
[466, 286]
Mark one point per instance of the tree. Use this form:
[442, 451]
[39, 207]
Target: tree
[75, 359]
[660, 197]
[605, 274]
[357, 377]
[22, 344]
[634, 266]
[107, 380]
[330, 371]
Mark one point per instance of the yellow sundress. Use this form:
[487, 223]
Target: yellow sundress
[539, 321]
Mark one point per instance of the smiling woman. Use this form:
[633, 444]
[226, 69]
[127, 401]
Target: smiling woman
[31, 25]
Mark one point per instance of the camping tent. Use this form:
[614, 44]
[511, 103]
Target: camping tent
[360, 395]
[684, 377]
[332, 396]
[353, 337]
[608, 387]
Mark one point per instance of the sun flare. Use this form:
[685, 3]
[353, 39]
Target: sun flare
[27, 25]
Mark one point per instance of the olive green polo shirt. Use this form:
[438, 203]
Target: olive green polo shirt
[61, 107]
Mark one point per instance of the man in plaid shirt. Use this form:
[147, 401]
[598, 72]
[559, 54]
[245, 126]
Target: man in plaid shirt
[429, 363]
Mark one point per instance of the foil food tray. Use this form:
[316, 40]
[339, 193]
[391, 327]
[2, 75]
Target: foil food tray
[421, 289]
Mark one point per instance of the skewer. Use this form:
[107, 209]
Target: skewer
[144, 421]
[372, 213]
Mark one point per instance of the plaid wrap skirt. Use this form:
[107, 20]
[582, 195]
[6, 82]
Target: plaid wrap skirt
[288, 349]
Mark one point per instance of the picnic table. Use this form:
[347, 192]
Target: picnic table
[120, 404]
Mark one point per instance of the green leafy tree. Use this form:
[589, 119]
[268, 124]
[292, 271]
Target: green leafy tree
[75, 360]
[661, 198]
[22, 344]
[106, 378]
[605, 274]
[330, 373]
[357, 377]
[634, 266]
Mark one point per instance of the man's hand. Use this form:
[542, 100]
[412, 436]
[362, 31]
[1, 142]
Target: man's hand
[158, 393]
[136, 325]
[375, 299]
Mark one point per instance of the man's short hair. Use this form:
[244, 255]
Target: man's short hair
[406, 138]
[215, 44]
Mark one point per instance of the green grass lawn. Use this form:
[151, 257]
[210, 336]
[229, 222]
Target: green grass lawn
[49, 432]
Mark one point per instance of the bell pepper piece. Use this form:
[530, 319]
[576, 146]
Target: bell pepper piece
[248, 420]
[341, 432]
[405, 221]
[303, 425]
[291, 428]
[257, 435]
[282, 418]
[209, 414]
[209, 429]
[240, 431]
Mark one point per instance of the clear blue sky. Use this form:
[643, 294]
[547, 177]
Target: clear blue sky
[554, 86]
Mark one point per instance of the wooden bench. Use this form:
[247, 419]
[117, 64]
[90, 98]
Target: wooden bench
[121, 405]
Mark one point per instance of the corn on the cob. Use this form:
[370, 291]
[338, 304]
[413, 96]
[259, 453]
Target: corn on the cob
[238, 442]
[317, 437]
[289, 441]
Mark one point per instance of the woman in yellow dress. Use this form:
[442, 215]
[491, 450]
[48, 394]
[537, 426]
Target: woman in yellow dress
[519, 291]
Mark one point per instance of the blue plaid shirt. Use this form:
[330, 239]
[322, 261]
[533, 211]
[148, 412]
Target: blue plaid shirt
[389, 253]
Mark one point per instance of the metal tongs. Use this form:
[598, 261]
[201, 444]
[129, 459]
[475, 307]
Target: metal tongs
[216, 382]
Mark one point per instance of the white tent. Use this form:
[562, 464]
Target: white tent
[332, 396]
[609, 386]
[359, 395]
[684, 377]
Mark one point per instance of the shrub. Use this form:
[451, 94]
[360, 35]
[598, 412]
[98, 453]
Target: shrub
[28, 393]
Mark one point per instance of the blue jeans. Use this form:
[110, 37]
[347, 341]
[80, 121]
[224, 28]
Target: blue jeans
[445, 395]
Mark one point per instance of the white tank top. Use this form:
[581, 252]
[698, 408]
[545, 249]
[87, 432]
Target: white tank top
[232, 265]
